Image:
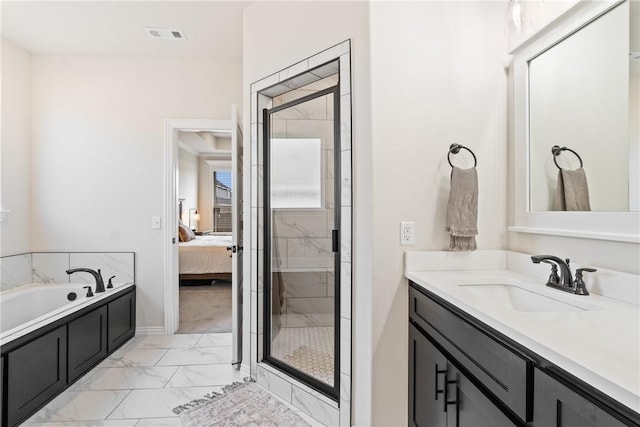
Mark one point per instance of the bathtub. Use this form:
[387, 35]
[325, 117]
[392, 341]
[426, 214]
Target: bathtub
[29, 307]
[60, 334]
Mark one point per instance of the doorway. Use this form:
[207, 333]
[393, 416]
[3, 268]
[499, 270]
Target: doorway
[205, 194]
[231, 249]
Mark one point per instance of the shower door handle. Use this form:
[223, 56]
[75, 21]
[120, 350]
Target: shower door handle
[335, 240]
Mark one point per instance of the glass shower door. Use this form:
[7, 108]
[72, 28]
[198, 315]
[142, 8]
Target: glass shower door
[302, 239]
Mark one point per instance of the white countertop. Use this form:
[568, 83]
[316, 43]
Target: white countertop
[598, 342]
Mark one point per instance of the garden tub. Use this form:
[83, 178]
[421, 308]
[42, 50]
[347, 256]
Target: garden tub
[29, 307]
[51, 335]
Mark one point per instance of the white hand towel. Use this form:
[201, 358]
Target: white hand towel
[572, 193]
[462, 209]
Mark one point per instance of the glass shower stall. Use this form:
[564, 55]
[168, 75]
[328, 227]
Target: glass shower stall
[302, 234]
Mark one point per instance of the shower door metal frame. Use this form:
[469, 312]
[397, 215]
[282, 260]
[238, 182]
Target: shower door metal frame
[324, 388]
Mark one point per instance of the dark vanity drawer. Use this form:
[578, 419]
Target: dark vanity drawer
[506, 373]
[557, 404]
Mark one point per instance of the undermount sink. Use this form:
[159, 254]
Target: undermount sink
[522, 299]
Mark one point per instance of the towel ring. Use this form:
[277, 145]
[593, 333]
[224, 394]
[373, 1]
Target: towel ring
[556, 150]
[455, 149]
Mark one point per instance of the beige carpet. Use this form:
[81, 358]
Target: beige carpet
[205, 309]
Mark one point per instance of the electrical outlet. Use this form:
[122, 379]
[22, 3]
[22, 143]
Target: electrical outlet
[407, 233]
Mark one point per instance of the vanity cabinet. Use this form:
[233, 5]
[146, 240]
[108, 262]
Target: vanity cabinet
[87, 342]
[557, 405]
[441, 395]
[426, 393]
[488, 379]
[503, 372]
[35, 373]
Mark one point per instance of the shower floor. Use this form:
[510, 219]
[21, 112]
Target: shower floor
[309, 349]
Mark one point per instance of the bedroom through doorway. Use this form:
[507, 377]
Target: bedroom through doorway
[205, 197]
[203, 288]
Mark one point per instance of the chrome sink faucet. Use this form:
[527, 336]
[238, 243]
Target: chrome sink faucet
[565, 282]
[96, 275]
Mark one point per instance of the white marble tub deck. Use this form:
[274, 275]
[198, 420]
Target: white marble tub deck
[599, 343]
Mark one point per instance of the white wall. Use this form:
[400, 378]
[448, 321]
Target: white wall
[634, 110]
[15, 230]
[98, 125]
[438, 77]
[277, 35]
[533, 16]
[188, 173]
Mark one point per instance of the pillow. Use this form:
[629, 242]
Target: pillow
[192, 235]
[184, 233]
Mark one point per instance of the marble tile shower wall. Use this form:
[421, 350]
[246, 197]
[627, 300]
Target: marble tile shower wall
[50, 267]
[308, 298]
[302, 237]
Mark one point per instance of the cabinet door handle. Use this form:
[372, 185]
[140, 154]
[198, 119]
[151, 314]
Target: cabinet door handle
[447, 383]
[438, 372]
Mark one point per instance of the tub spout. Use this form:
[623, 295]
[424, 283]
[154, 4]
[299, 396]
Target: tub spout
[96, 275]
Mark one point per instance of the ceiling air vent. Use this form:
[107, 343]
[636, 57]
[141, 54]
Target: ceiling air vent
[166, 33]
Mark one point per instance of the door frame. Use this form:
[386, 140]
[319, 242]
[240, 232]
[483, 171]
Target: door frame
[170, 288]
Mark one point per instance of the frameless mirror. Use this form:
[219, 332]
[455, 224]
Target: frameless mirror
[584, 94]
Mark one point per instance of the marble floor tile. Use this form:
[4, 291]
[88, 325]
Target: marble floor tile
[157, 403]
[160, 422]
[165, 341]
[127, 378]
[93, 423]
[310, 420]
[196, 356]
[205, 375]
[81, 405]
[126, 357]
[215, 340]
[141, 383]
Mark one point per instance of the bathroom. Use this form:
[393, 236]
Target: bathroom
[424, 75]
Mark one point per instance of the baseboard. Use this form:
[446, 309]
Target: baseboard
[150, 330]
[245, 369]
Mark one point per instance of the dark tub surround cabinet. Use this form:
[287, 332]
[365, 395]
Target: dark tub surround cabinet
[40, 365]
[464, 373]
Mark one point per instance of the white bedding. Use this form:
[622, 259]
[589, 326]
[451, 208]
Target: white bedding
[205, 254]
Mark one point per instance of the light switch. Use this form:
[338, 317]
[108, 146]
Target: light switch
[155, 222]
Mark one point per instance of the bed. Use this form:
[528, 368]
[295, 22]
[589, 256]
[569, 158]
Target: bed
[205, 257]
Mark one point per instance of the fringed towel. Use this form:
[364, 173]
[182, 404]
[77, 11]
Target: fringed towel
[572, 193]
[462, 209]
